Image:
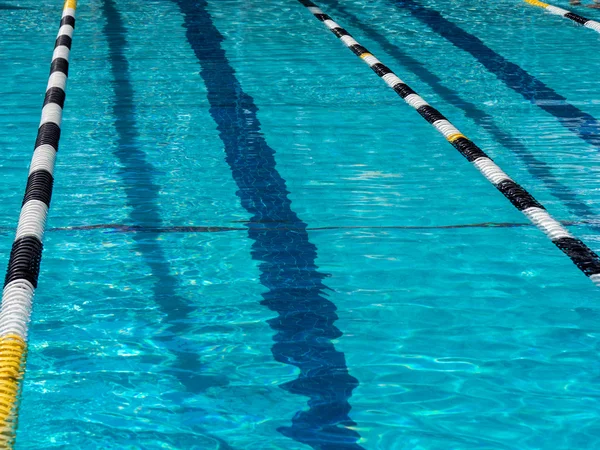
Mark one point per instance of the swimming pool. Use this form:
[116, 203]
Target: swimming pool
[254, 243]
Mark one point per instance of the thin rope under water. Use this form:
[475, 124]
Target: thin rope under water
[125, 228]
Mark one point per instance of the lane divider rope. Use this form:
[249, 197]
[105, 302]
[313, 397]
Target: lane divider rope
[24, 263]
[581, 255]
[566, 14]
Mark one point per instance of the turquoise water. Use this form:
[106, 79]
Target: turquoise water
[255, 244]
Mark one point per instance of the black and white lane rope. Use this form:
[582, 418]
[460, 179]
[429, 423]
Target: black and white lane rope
[24, 263]
[581, 255]
[566, 14]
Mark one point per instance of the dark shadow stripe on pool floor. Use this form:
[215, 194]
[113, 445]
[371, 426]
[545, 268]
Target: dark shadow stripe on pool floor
[305, 322]
[536, 167]
[142, 197]
[580, 123]
[6, 7]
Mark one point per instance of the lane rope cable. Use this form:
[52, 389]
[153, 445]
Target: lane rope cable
[24, 263]
[566, 14]
[581, 255]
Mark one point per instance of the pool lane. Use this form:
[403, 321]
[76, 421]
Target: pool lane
[578, 252]
[305, 322]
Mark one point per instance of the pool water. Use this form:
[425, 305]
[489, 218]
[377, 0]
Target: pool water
[255, 244]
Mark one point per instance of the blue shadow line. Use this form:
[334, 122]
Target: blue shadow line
[578, 122]
[536, 167]
[305, 318]
[142, 197]
[6, 7]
